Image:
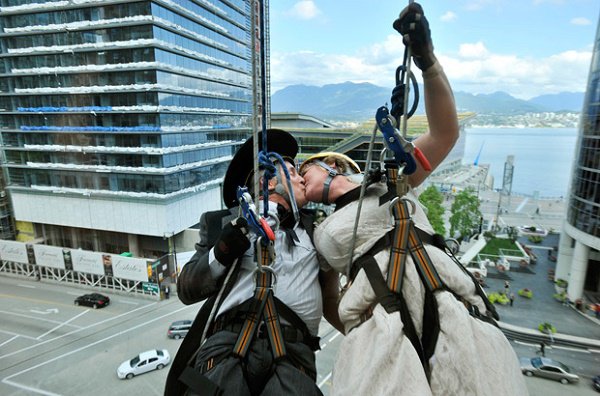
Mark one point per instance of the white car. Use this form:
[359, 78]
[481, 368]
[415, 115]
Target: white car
[154, 359]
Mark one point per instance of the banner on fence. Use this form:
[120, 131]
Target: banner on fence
[49, 256]
[13, 251]
[129, 268]
[88, 262]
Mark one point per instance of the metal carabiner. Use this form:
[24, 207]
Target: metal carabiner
[394, 201]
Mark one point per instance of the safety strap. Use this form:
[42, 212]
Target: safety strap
[407, 239]
[331, 174]
[263, 308]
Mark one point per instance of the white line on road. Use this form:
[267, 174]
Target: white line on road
[521, 205]
[37, 318]
[15, 384]
[7, 341]
[74, 331]
[27, 286]
[336, 335]
[63, 324]
[19, 335]
[29, 388]
[327, 377]
[129, 302]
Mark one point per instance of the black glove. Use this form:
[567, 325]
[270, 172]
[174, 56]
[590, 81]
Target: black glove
[232, 242]
[414, 28]
[398, 100]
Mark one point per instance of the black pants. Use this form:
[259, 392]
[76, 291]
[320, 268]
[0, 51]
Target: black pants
[258, 374]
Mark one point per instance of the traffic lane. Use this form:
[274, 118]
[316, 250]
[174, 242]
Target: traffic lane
[37, 314]
[64, 295]
[584, 363]
[89, 365]
[544, 387]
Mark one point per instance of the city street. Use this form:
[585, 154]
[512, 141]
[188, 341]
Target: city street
[48, 346]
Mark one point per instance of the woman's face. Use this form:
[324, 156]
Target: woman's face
[314, 180]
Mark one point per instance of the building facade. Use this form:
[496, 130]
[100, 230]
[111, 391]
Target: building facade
[118, 118]
[579, 249]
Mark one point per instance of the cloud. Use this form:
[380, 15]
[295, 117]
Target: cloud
[476, 50]
[449, 16]
[581, 21]
[305, 9]
[474, 69]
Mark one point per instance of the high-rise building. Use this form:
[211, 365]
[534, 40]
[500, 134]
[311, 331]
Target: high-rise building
[118, 118]
[579, 249]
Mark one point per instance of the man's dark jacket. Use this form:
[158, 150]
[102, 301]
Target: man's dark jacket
[199, 285]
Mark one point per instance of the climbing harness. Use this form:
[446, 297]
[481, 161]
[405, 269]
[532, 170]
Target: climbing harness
[398, 160]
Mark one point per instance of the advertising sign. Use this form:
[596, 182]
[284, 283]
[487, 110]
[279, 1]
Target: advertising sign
[88, 262]
[13, 251]
[129, 268]
[49, 256]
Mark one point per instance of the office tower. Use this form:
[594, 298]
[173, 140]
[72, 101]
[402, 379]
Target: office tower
[119, 118]
[579, 249]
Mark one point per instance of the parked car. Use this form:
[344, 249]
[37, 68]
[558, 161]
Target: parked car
[179, 329]
[154, 359]
[547, 368]
[94, 300]
[596, 382]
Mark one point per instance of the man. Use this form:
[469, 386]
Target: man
[225, 263]
[434, 335]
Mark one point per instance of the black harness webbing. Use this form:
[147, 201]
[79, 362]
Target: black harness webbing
[263, 307]
[406, 238]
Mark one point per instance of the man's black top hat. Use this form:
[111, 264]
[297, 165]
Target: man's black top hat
[242, 164]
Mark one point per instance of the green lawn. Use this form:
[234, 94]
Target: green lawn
[495, 244]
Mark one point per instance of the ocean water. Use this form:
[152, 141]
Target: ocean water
[543, 157]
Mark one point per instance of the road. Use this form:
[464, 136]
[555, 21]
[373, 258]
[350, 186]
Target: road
[48, 346]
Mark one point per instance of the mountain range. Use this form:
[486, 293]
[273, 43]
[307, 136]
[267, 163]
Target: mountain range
[358, 101]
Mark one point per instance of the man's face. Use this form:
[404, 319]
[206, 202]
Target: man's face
[297, 184]
[314, 180]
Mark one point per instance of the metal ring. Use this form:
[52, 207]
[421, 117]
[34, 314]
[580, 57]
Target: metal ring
[455, 242]
[263, 269]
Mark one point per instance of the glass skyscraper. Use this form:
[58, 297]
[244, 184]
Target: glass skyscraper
[579, 251]
[118, 118]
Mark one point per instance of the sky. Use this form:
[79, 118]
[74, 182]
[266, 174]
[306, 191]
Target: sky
[526, 48]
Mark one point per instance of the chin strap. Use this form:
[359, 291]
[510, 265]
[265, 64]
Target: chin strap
[331, 174]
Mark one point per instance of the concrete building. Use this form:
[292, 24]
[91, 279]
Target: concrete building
[118, 118]
[579, 249]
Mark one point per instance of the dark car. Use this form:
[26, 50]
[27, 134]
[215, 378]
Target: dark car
[94, 300]
[596, 382]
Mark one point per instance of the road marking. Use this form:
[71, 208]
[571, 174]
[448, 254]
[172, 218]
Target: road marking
[27, 286]
[324, 380]
[64, 324]
[7, 341]
[29, 388]
[571, 349]
[336, 335]
[521, 205]
[46, 312]
[74, 331]
[7, 380]
[129, 302]
[37, 318]
[18, 335]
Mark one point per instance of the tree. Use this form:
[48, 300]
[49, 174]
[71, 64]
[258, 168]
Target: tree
[432, 199]
[465, 214]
